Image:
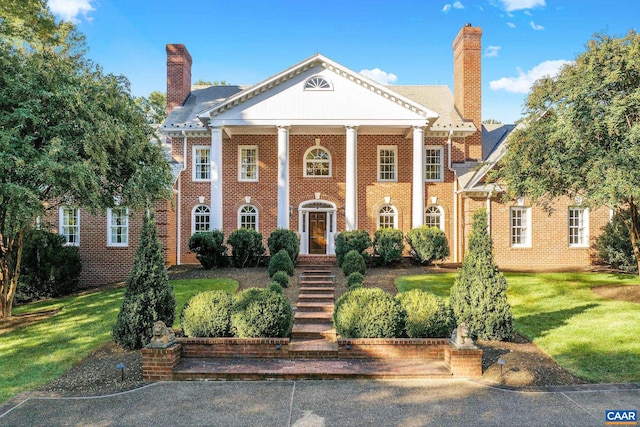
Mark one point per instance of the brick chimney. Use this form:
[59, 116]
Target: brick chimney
[178, 75]
[467, 84]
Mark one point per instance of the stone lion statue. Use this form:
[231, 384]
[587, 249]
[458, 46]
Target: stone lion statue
[461, 337]
[163, 336]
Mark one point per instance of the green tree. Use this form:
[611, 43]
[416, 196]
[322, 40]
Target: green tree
[148, 296]
[582, 133]
[154, 107]
[479, 293]
[69, 134]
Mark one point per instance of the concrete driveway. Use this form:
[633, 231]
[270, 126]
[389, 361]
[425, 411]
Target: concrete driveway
[328, 403]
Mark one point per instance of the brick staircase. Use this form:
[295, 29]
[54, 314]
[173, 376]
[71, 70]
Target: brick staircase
[313, 334]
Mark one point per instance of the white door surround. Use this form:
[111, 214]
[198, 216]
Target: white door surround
[303, 223]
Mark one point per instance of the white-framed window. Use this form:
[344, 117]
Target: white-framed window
[387, 217]
[520, 221]
[248, 163]
[388, 163]
[69, 225]
[434, 217]
[317, 83]
[248, 217]
[578, 227]
[201, 163]
[317, 162]
[118, 226]
[201, 219]
[433, 164]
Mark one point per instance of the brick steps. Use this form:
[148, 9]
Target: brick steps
[322, 298]
[313, 323]
[303, 368]
[314, 307]
[302, 317]
[314, 330]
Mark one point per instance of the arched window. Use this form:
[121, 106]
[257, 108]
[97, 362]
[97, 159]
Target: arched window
[201, 218]
[317, 83]
[248, 217]
[387, 216]
[434, 217]
[317, 162]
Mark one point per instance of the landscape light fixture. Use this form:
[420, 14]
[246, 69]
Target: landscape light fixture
[121, 367]
[501, 362]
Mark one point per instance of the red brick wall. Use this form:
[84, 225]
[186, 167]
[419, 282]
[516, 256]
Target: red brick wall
[178, 75]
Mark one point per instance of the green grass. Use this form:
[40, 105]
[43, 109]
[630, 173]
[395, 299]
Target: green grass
[34, 355]
[594, 338]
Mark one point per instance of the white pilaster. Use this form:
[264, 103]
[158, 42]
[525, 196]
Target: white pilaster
[351, 190]
[417, 192]
[283, 176]
[216, 178]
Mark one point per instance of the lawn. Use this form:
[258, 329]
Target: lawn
[593, 338]
[36, 354]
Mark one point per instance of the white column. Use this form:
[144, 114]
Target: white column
[417, 192]
[351, 190]
[283, 176]
[216, 178]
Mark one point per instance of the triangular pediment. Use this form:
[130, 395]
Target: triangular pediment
[290, 98]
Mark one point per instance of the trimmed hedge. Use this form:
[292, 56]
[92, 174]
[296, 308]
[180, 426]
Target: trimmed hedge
[283, 238]
[355, 278]
[281, 278]
[209, 248]
[281, 262]
[427, 244]
[353, 262]
[247, 247]
[368, 313]
[207, 314]
[428, 316]
[261, 313]
[387, 244]
[358, 240]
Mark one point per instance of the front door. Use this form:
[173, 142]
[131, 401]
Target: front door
[317, 233]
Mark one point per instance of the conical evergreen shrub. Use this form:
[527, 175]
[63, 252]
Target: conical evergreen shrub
[148, 296]
[479, 293]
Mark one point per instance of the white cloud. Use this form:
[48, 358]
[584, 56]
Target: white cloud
[536, 26]
[512, 5]
[456, 5]
[492, 51]
[524, 81]
[68, 10]
[511, 24]
[380, 76]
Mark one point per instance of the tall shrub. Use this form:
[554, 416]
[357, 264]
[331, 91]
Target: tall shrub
[49, 268]
[209, 248]
[358, 240]
[614, 244]
[479, 293]
[428, 244]
[387, 244]
[281, 262]
[247, 248]
[353, 262]
[148, 296]
[283, 238]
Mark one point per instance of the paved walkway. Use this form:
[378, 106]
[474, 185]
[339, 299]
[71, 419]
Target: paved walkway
[403, 403]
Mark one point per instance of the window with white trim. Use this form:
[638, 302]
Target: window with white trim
[317, 83]
[317, 162]
[434, 217]
[201, 218]
[388, 163]
[520, 220]
[578, 227]
[387, 217]
[118, 227]
[248, 163]
[201, 163]
[69, 225]
[433, 164]
[248, 217]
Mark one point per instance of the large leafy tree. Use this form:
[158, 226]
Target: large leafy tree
[68, 134]
[154, 106]
[582, 134]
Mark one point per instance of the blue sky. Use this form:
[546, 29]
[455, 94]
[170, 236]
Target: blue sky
[408, 42]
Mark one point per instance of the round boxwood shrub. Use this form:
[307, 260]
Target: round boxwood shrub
[209, 248]
[274, 287]
[281, 262]
[368, 313]
[428, 244]
[387, 244]
[353, 261]
[428, 316]
[283, 238]
[354, 278]
[247, 248]
[358, 240]
[207, 314]
[282, 278]
[260, 313]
